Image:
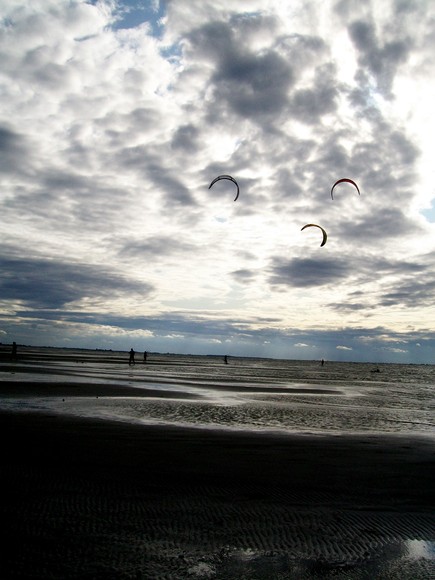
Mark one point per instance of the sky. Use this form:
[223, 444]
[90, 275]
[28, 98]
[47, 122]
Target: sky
[115, 117]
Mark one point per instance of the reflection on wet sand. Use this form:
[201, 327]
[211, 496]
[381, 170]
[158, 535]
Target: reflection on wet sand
[248, 394]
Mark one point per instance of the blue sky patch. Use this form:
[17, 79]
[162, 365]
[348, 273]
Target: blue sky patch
[136, 12]
[132, 13]
[429, 213]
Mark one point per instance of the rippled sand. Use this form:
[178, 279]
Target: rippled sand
[181, 470]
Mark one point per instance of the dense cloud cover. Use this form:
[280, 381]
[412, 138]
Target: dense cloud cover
[115, 116]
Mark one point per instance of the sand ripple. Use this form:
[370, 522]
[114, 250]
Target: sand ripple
[94, 529]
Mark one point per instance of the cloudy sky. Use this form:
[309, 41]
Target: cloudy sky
[115, 116]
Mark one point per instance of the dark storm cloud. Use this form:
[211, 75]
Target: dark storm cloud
[52, 284]
[380, 266]
[388, 161]
[418, 291]
[258, 85]
[404, 151]
[303, 273]
[302, 49]
[310, 104]
[155, 247]
[300, 272]
[251, 84]
[350, 306]
[185, 323]
[45, 74]
[288, 184]
[243, 276]
[382, 60]
[55, 179]
[386, 223]
[254, 84]
[8, 140]
[71, 202]
[212, 40]
[153, 168]
[361, 99]
[176, 193]
[413, 285]
[186, 138]
[14, 151]
[133, 124]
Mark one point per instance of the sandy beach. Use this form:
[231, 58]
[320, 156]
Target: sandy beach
[97, 498]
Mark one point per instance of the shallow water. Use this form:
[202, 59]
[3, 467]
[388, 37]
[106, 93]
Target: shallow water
[259, 394]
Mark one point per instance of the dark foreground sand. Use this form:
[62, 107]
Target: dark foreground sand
[85, 498]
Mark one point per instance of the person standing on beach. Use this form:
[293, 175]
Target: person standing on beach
[131, 360]
[14, 351]
[145, 354]
[226, 359]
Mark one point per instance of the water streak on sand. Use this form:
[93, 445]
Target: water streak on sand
[255, 394]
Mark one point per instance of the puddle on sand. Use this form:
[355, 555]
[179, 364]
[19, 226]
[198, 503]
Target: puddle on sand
[410, 559]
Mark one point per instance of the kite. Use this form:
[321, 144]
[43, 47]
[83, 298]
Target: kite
[325, 235]
[344, 180]
[226, 177]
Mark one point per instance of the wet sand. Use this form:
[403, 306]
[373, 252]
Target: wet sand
[96, 499]
[87, 498]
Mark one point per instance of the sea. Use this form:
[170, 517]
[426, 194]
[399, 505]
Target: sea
[297, 396]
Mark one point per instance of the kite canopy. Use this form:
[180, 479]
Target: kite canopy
[325, 235]
[230, 179]
[345, 180]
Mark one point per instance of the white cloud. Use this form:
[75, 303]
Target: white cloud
[397, 350]
[110, 137]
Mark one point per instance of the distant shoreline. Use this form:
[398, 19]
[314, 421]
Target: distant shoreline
[5, 351]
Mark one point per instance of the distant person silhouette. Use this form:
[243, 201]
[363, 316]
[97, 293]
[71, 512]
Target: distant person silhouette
[145, 354]
[14, 351]
[322, 362]
[226, 359]
[131, 360]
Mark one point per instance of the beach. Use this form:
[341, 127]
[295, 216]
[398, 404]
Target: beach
[101, 497]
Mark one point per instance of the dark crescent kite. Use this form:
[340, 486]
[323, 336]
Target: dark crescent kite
[344, 180]
[226, 177]
[325, 235]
